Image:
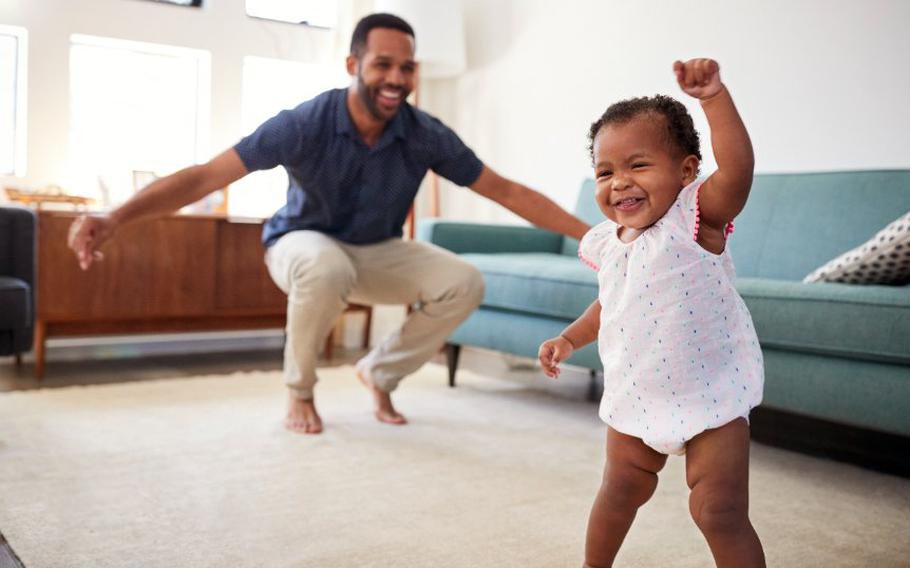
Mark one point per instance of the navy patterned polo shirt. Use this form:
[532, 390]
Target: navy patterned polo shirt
[342, 187]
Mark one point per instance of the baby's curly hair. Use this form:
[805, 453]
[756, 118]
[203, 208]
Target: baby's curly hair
[681, 133]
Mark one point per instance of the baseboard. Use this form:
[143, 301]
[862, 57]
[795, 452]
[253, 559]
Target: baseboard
[872, 449]
[150, 345]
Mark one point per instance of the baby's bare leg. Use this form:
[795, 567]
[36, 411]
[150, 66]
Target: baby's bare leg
[717, 471]
[630, 478]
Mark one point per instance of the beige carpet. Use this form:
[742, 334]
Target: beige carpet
[199, 472]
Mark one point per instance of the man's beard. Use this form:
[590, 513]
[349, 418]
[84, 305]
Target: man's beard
[368, 97]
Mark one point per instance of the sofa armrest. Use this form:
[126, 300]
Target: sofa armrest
[487, 238]
[17, 243]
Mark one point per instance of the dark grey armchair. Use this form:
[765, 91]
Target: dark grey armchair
[17, 280]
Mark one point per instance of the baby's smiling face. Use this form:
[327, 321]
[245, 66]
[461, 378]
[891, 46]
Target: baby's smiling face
[638, 171]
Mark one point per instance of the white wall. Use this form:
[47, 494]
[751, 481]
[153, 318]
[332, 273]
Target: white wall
[221, 27]
[821, 84]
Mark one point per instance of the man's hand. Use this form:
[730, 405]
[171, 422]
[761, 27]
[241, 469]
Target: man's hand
[699, 78]
[162, 197]
[552, 352]
[86, 235]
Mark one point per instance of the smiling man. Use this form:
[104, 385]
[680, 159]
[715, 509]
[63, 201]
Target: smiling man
[355, 158]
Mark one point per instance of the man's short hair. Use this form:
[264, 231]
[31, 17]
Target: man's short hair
[380, 20]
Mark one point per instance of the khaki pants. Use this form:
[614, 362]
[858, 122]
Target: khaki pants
[320, 275]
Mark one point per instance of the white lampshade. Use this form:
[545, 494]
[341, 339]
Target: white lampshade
[439, 27]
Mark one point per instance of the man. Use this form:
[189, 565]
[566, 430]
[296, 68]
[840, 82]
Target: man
[355, 158]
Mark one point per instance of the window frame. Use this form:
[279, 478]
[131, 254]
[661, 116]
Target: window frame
[20, 100]
[203, 61]
[305, 23]
[252, 115]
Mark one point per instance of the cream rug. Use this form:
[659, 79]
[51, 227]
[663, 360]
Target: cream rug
[199, 472]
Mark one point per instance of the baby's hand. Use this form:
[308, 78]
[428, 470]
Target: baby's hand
[699, 78]
[552, 352]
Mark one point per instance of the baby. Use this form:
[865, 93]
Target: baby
[682, 364]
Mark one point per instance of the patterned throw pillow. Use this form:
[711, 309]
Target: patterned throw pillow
[883, 259]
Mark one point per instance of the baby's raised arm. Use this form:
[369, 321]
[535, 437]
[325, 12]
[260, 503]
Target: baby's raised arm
[723, 195]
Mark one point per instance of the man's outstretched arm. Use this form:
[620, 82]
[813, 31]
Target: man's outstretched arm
[161, 197]
[528, 204]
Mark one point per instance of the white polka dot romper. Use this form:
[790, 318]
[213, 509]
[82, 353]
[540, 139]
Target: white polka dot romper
[677, 343]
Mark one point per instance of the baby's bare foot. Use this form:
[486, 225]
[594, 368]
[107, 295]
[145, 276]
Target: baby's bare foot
[302, 417]
[384, 410]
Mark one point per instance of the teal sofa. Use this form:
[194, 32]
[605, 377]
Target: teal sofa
[835, 353]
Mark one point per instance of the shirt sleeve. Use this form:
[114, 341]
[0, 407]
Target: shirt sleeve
[278, 141]
[452, 159]
[689, 198]
[593, 244]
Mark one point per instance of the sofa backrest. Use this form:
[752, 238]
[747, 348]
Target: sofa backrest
[586, 210]
[794, 223]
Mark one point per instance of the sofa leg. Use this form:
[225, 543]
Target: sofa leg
[595, 385]
[18, 359]
[452, 353]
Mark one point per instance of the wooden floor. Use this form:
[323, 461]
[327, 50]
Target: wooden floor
[8, 558]
[117, 370]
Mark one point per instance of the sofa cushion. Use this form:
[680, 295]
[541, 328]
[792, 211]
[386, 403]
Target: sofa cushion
[15, 303]
[883, 259]
[858, 322]
[587, 210]
[547, 284]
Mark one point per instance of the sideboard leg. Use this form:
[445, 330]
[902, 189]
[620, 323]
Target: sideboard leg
[40, 337]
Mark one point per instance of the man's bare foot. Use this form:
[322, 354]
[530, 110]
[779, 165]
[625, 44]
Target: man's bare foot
[382, 400]
[302, 416]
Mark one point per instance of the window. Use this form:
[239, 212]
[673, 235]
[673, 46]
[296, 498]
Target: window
[317, 13]
[269, 86]
[13, 50]
[134, 107]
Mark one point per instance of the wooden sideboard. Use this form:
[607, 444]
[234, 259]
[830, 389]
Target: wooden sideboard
[177, 274]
